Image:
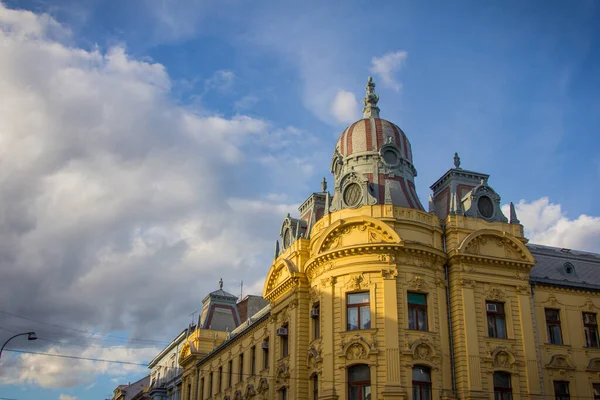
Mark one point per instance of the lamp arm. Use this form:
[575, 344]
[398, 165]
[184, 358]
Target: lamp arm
[11, 338]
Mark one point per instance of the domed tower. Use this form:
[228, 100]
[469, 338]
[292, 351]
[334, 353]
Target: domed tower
[372, 162]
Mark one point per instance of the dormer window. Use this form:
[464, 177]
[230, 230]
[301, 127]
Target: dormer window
[569, 268]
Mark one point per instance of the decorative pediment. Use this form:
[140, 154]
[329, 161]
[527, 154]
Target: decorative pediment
[280, 274]
[250, 392]
[422, 349]
[357, 282]
[355, 231]
[314, 355]
[263, 385]
[495, 294]
[282, 371]
[357, 348]
[417, 283]
[503, 358]
[560, 361]
[495, 244]
[185, 351]
[594, 365]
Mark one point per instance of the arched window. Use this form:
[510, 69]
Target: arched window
[502, 388]
[421, 381]
[359, 382]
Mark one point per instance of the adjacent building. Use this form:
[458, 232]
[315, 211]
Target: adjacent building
[373, 297]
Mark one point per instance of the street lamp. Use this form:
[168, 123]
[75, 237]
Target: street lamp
[30, 336]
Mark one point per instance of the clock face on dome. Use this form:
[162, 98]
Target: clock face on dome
[352, 195]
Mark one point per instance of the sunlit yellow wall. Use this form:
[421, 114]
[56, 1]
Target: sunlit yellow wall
[389, 251]
[572, 361]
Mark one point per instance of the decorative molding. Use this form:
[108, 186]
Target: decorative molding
[263, 385]
[594, 365]
[356, 351]
[503, 358]
[330, 281]
[417, 283]
[357, 282]
[467, 283]
[495, 294]
[391, 273]
[561, 362]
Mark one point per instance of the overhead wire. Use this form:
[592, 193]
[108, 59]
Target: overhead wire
[86, 331]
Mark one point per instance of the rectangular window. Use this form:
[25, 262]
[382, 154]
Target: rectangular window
[358, 311]
[417, 311]
[561, 390]
[553, 326]
[200, 389]
[596, 389]
[253, 361]
[284, 341]
[220, 387]
[230, 374]
[315, 316]
[590, 326]
[265, 347]
[283, 394]
[241, 374]
[496, 319]
[315, 385]
[210, 384]
[502, 386]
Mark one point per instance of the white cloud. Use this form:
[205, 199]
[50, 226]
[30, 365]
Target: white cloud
[222, 80]
[118, 196]
[386, 66]
[245, 103]
[57, 372]
[546, 223]
[345, 108]
[63, 396]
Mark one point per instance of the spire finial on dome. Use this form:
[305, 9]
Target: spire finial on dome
[370, 101]
[221, 283]
[456, 161]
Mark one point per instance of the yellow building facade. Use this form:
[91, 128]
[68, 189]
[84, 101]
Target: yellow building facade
[372, 297]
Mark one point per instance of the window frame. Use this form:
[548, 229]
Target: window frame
[201, 388]
[230, 374]
[413, 309]
[502, 392]
[561, 396]
[358, 307]
[220, 387]
[210, 385]
[553, 324]
[361, 385]
[253, 360]
[315, 386]
[420, 385]
[265, 353]
[316, 321]
[284, 342]
[591, 331]
[494, 316]
[241, 367]
[596, 391]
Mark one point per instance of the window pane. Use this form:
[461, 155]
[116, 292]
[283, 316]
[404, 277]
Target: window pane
[358, 298]
[417, 298]
[352, 318]
[422, 325]
[365, 317]
[556, 336]
[421, 374]
[501, 379]
[354, 393]
[552, 315]
[412, 324]
[359, 373]
[366, 392]
[501, 328]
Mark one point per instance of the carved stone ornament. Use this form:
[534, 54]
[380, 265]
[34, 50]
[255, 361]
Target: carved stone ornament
[560, 361]
[552, 300]
[331, 281]
[388, 258]
[314, 294]
[589, 305]
[357, 282]
[263, 385]
[417, 283]
[314, 355]
[594, 365]
[356, 351]
[496, 294]
[467, 283]
[422, 352]
[282, 371]
[185, 351]
[389, 273]
[237, 395]
[250, 392]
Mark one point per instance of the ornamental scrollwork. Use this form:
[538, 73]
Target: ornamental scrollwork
[560, 361]
[389, 273]
[495, 294]
[357, 282]
[417, 283]
[356, 351]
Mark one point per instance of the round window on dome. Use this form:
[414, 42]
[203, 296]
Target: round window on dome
[390, 157]
[287, 238]
[352, 195]
[485, 206]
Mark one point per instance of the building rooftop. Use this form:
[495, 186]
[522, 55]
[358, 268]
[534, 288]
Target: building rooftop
[565, 267]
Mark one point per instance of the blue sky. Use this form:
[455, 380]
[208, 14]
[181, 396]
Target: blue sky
[218, 118]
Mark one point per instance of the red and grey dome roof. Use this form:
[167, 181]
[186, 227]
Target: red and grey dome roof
[370, 134]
